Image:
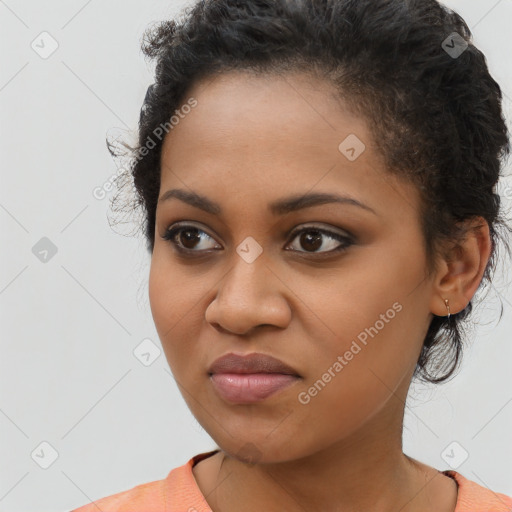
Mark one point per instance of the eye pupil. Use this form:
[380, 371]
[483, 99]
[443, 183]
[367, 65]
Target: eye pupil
[194, 237]
[314, 239]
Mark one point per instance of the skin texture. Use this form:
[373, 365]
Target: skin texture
[250, 141]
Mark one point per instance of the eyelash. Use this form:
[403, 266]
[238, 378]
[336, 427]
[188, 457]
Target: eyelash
[170, 236]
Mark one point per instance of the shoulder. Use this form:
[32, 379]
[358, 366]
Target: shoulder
[149, 497]
[473, 497]
[178, 491]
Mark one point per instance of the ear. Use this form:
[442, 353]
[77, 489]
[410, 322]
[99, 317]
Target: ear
[461, 269]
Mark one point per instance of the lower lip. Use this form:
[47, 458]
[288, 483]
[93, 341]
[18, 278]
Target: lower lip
[250, 387]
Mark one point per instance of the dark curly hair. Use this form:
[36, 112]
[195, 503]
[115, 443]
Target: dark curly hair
[437, 115]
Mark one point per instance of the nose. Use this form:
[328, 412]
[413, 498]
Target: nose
[249, 295]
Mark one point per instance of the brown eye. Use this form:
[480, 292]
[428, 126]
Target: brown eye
[187, 238]
[312, 239]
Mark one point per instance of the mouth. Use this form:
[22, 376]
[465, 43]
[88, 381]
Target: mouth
[250, 363]
[250, 387]
[250, 378]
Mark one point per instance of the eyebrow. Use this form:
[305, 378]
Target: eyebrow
[279, 207]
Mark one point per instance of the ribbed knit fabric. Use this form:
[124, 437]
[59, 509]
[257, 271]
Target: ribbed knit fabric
[179, 493]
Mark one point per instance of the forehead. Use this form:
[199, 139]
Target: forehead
[269, 134]
[242, 106]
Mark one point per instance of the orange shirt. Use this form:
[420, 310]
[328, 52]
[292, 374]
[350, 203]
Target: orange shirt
[179, 493]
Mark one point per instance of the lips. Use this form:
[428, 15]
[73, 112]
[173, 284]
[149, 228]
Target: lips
[250, 363]
[251, 378]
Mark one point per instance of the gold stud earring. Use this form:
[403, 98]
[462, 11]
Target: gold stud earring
[447, 306]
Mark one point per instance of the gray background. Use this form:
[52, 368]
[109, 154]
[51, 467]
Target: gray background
[69, 326]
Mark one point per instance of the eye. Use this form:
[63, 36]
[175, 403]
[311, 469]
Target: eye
[188, 239]
[314, 238]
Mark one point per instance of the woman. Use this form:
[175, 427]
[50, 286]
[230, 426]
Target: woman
[318, 183]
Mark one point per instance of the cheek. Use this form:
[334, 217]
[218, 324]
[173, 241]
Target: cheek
[353, 302]
[160, 296]
[170, 291]
[176, 309]
[167, 305]
[367, 334]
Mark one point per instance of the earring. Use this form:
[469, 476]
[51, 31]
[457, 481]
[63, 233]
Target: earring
[447, 306]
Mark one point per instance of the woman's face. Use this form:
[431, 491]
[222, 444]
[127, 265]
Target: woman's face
[349, 314]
